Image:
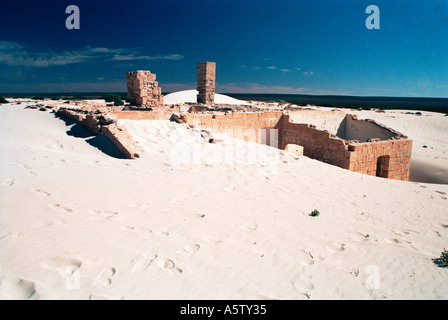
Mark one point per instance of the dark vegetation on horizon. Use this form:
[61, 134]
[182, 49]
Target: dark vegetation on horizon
[109, 97]
[352, 102]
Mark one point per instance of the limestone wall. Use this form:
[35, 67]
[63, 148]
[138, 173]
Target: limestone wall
[317, 144]
[143, 89]
[106, 125]
[387, 158]
[332, 121]
[365, 130]
[141, 115]
[248, 126]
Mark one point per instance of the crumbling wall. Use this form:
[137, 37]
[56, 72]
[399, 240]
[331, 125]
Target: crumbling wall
[248, 126]
[387, 159]
[141, 115]
[105, 124]
[383, 158]
[365, 130]
[332, 121]
[317, 144]
[143, 89]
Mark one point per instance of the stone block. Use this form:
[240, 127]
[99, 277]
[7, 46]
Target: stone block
[294, 148]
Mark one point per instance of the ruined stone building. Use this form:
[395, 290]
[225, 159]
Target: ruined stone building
[333, 137]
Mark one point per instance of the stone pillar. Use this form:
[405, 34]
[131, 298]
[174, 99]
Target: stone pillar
[206, 74]
[143, 89]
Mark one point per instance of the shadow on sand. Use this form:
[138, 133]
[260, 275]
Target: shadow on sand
[98, 141]
[427, 171]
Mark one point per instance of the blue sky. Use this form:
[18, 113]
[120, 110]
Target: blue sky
[260, 46]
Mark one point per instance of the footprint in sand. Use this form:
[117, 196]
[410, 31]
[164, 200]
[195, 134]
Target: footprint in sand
[138, 229]
[361, 237]
[405, 232]
[188, 250]
[9, 182]
[304, 285]
[335, 247]
[104, 214]
[63, 265]
[105, 276]
[5, 235]
[304, 258]
[442, 195]
[41, 192]
[364, 216]
[26, 166]
[163, 232]
[169, 265]
[229, 188]
[60, 208]
[395, 240]
[143, 261]
[252, 226]
[16, 289]
[28, 170]
[400, 237]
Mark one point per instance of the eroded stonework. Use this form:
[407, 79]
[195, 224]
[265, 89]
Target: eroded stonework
[143, 89]
[386, 153]
[206, 76]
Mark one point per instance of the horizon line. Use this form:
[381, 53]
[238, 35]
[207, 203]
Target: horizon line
[5, 94]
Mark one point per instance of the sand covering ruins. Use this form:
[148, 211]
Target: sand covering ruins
[334, 137]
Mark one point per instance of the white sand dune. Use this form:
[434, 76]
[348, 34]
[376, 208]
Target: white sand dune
[189, 96]
[194, 220]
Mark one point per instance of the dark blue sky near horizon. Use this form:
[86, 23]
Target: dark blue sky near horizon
[260, 46]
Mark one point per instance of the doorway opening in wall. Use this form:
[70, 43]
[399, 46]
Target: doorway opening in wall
[382, 166]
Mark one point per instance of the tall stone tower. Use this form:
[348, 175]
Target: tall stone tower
[206, 74]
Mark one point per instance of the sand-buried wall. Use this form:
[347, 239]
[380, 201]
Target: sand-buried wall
[141, 115]
[248, 126]
[389, 158]
[105, 124]
[317, 144]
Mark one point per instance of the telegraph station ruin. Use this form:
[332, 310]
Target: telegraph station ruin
[334, 137]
